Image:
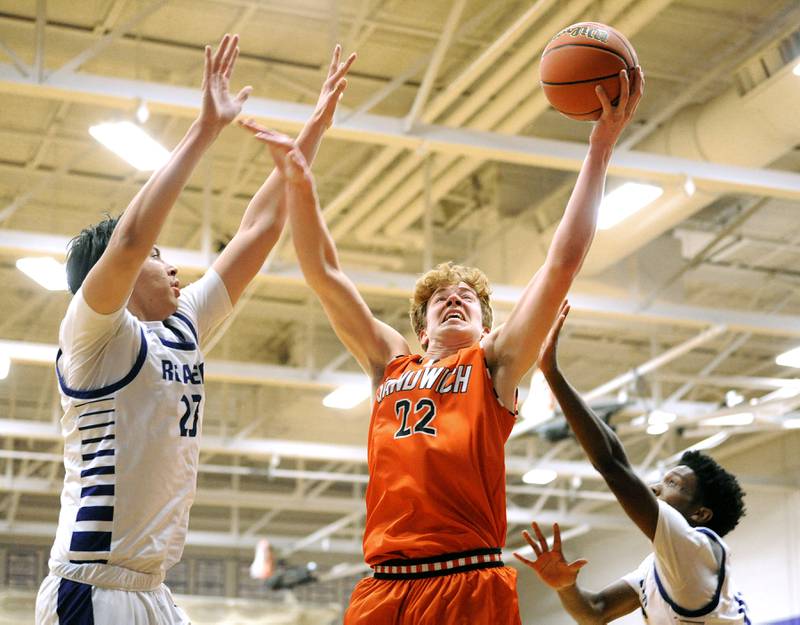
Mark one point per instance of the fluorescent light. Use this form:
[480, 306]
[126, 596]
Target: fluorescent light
[131, 143]
[539, 405]
[5, 365]
[796, 70]
[46, 271]
[624, 201]
[346, 396]
[689, 187]
[539, 476]
[791, 424]
[657, 428]
[658, 417]
[710, 442]
[29, 352]
[738, 418]
[790, 358]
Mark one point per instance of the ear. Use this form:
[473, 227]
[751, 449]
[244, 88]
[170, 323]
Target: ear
[701, 516]
[422, 337]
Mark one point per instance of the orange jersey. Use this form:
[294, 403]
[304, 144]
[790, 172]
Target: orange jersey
[436, 459]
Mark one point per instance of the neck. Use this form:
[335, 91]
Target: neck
[439, 349]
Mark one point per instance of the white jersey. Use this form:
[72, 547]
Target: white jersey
[133, 395]
[687, 579]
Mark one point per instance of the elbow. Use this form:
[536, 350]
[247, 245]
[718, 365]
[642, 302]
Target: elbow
[566, 265]
[611, 468]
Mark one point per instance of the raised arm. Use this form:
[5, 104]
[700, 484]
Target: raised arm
[372, 342]
[265, 216]
[512, 349]
[587, 608]
[599, 441]
[110, 282]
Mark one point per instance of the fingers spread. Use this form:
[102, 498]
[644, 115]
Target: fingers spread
[208, 64]
[523, 559]
[531, 542]
[578, 564]
[223, 46]
[337, 52]
[229, 66]
[242, 96]
[540, 536]
[252, 125]
[343, 68]
[556, 537]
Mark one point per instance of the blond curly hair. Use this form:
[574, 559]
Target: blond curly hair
[447, 274]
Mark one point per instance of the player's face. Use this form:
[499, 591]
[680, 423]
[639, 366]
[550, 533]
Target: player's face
[678, 488]
[453, 314]
[157, 289]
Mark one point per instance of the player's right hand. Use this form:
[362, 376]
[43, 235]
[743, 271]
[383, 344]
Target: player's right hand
[550, 565]
[219, 107]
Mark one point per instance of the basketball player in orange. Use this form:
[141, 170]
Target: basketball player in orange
[436, 505]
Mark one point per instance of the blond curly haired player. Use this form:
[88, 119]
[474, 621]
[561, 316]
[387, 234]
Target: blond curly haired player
[436, 507]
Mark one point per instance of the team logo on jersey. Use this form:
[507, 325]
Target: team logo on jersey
[178, 372]
[439, 379]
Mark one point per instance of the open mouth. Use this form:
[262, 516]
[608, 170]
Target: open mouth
[454, 315]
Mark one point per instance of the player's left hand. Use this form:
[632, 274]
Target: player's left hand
[548, 360]
[550, 565]
[333, 87]
[289, 160]
[219, 108]
[614, 119]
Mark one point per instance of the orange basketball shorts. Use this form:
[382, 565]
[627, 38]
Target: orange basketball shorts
[482, 596]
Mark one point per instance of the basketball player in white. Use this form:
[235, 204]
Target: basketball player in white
[687, 578]
[131, 376]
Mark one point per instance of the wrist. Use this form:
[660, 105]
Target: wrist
[601, 148]
[205, 130]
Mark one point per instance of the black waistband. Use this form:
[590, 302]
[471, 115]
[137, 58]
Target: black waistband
[444, 564]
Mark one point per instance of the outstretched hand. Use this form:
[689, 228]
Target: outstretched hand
[333, 87]
[289, 160]
[614, 119]
[548, 359]
[219, 108]
[550, 565]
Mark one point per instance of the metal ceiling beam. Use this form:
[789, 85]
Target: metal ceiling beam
[503, 296]
[109, 38]
[35, 529]
[432, 70]
[121, 93]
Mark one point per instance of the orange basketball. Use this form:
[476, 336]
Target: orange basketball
[579, 58]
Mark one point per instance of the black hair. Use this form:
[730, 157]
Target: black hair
[86, 249]
[717, 490]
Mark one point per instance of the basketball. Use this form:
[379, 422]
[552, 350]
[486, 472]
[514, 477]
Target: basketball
[578, 59]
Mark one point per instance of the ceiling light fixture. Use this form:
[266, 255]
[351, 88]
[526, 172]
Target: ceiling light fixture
[539, 405]
[28, 352]
[738, 418]
[132, 144]
[657, 428]
[789, 358]
[539, 477]
[5, 365]
[796, 70]
[661, 416]
[346, 396]
[624, 201]
[710, 442]
[46, 271]
[792, 424]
